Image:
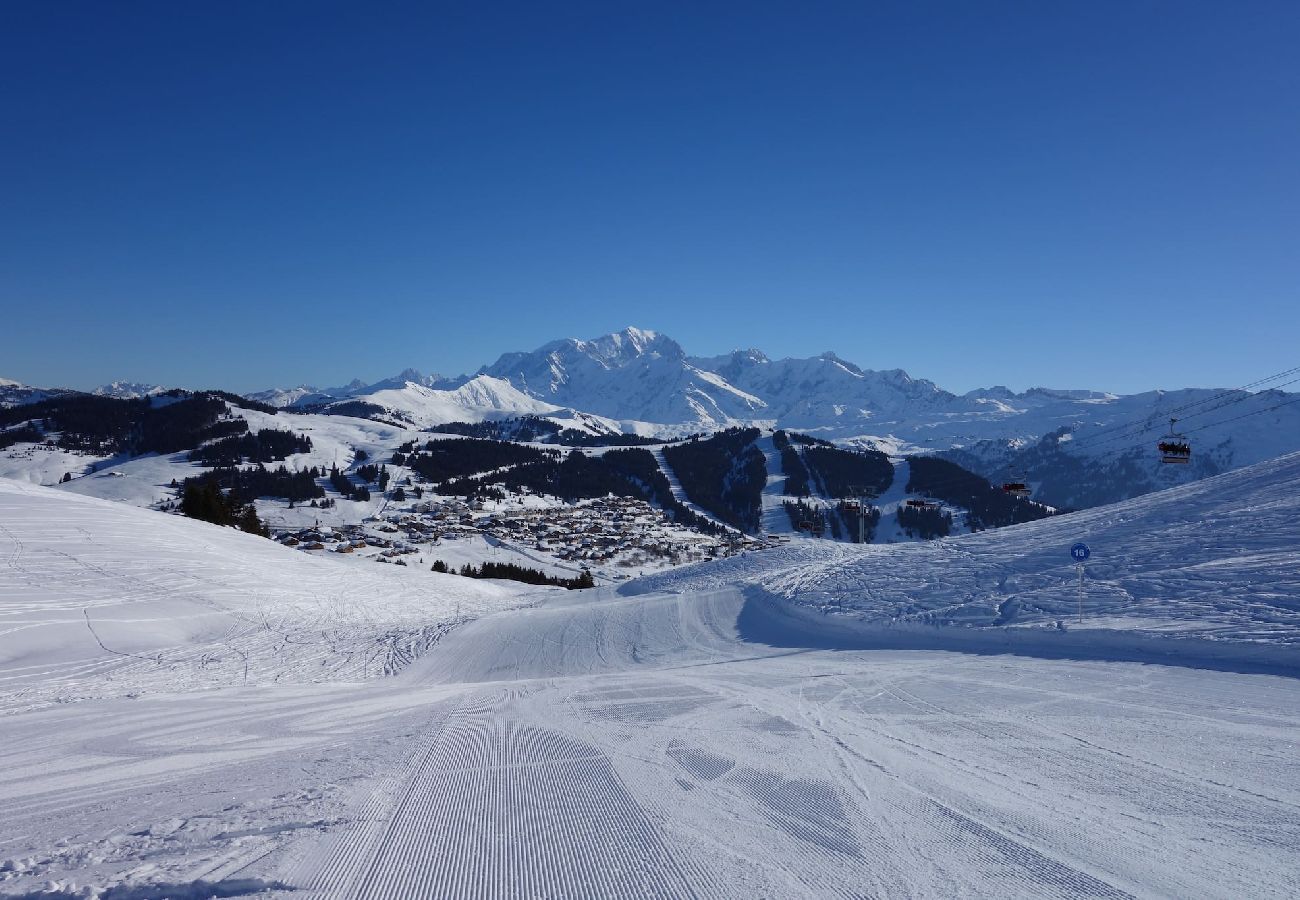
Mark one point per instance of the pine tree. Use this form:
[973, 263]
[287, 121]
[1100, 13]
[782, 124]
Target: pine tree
[248, 521]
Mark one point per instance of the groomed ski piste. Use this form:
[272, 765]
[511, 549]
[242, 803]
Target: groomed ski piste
[925, 720]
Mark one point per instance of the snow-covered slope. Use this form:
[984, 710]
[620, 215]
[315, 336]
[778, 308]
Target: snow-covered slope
[731, 741]
[15, 393]
[1103, 450]
[477, 399]
[101, 598]
[1213, 567]
[483, 398]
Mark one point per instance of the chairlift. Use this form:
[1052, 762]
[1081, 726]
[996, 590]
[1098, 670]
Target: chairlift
[917, 503]
[1016, 486]
[805, 525]
[1174, 447]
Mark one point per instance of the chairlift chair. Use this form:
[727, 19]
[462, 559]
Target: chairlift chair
[1016, 486]
[1174, 448]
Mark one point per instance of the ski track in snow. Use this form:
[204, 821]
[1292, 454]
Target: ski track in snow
[731, 739]
[775, 519]
[640, 747]
[679, 492]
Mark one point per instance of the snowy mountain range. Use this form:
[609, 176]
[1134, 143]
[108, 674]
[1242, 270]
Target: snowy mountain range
[1099, 444]
[307, 395]
[129, 390]
[1075, 447]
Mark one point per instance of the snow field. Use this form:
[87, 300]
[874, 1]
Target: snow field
[103, 599]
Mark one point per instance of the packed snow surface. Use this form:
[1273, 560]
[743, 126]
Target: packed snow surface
[733, 730]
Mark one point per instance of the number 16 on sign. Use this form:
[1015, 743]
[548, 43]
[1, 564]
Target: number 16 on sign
[1080, 553]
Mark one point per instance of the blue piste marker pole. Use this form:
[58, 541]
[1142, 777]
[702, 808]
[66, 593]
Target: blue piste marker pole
[1080, 553]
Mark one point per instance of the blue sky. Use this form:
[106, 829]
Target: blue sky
[1072, 194]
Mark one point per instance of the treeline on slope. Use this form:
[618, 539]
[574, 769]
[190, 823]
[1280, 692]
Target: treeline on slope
[925, 522]
[267, 445]
[859, 522]
[23, 434]
[849, 473]
[839, 472]
[441, 461]
[296, 486]
[986, 505]
[842, 520]
[340, 481]
[373, 474]
[512, 572]
[358, 409]
[536, 430]
[725, 474]
[630, 472]
[806, 516]
[107, 426]
[796, 474]
[203, 499]
[242, 402]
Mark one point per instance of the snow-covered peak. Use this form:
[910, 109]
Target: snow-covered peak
[479, 398]
[831, 357]
[632, 374]
[15, 393]
[997, 392]
[309, 395]
[621, 348]
[731, 365]
[1069, 394]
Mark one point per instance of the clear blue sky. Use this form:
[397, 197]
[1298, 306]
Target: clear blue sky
[245, 194]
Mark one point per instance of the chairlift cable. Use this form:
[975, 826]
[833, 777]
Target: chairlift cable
[1247, 415]
[1141, 426]
[1243, 415]
[1148, 425]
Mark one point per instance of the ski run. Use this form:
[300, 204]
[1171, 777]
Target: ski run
[186, 711]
